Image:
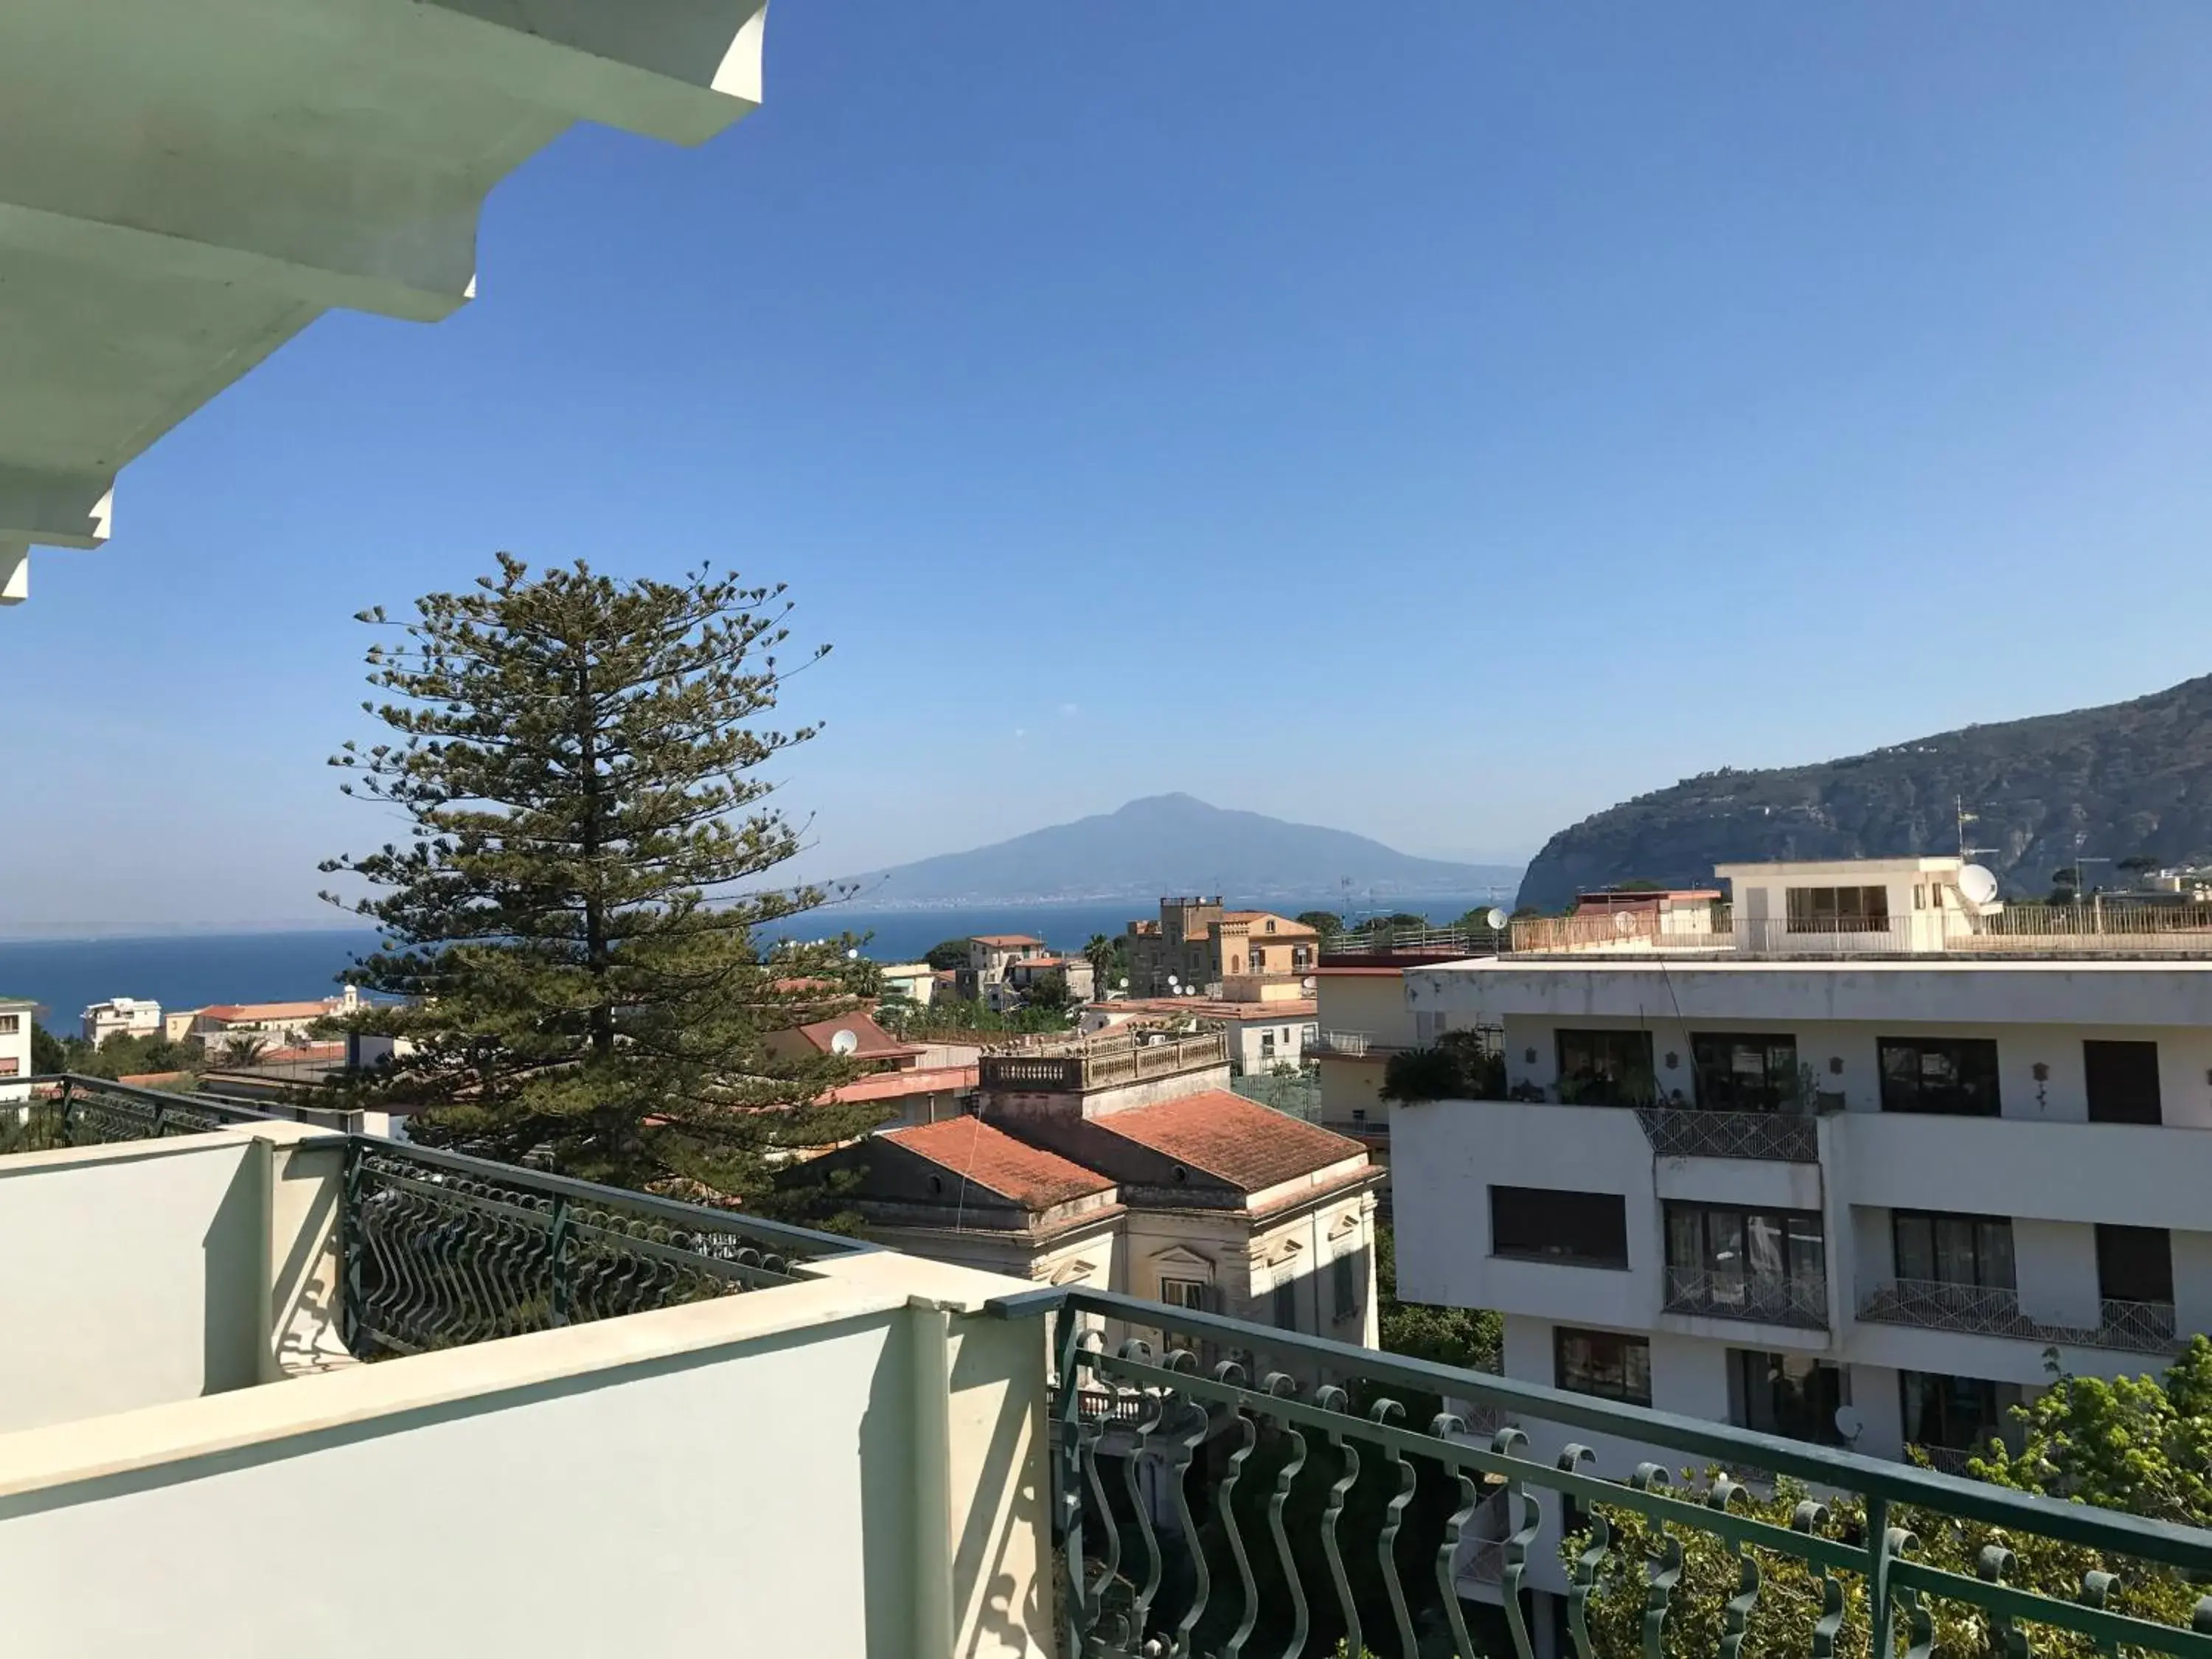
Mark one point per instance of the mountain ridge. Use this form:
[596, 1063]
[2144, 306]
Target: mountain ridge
[1176, 843]
[2128, 778]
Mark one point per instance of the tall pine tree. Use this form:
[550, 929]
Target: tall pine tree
[573, 924]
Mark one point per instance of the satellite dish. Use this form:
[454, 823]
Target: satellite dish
[1623, 922]
[1307, 983]
[844, 1043]
[852, 955]
[1494, 919]
[1979, 886]
[1850, 1423]
[1122, 984]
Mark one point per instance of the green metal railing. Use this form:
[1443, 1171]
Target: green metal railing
[65, 1109]
[1254, 1491]
[442, 1249]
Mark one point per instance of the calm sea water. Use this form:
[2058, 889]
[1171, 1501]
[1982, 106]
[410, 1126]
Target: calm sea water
[192, 970]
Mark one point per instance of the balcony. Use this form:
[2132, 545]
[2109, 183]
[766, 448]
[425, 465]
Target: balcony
[1349, 1045]
[1992, 1310]
[2118, 929]
[1212, 1510]
[1098, 1063]
[1802, 1300]
[1695, 1132]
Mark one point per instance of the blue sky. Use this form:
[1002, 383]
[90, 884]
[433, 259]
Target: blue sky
[1440, 420]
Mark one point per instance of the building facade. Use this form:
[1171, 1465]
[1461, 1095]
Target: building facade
[121, 1017]
[279, 1024]
[1198, 943]
[17, 1016]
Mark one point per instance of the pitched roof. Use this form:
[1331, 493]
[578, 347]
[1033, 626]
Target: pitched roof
[894, 1085]
[238, 1010]
[1003, 938]
[875, 1042]
[990, 1158]
[1250, 1147]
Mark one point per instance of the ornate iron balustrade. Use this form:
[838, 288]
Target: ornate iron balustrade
[1993, 1310]
[1768, 1300]
[1699, 1131]
[1216, 1522]
[69, 1110]
[442, 1251]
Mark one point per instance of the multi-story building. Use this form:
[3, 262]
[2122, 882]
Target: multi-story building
[988, 978]
[277, 1023]
[121, 1017]
[1025, 973]
[916, 982]
[1855, 1170]
[1197, 943]
[1263, 1035]
[1362, 1017]
[16, 1017]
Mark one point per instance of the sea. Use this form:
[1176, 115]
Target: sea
[192, 970]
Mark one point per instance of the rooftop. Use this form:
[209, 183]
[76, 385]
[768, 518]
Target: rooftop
[975, 1150]
[1003, 938]
[267, 1011]
[1247, 1146]
[897, 1086]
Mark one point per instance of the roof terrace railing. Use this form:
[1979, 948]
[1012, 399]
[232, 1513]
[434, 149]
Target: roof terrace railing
[66, 1110]
[1206, 1513]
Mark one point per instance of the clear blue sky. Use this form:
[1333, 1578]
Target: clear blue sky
[1437, 419]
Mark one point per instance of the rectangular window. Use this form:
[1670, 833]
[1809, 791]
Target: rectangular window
[1736, 1072]
[1606, 1068]
[1266, 1045]
[1958, 1413]
[1346, 1273]
[1941, 1249]
[2122, 1079]
[10, 1067]
[10, 1024]
[1747, 1264]
[1785, 1393]
[1602, 1363]
[1184, 1293]
[2133, 1264]
[1955, 1076]
[1591, 1229]
[1358, 1117]
[1286, 1304]
[1838, 909]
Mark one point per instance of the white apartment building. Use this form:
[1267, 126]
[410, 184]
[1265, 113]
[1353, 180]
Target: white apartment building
[1860, 1196]
[16, 1014]
[121, 1017]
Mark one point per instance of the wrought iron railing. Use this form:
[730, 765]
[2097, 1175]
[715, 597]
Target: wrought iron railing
[66, 1110]
[1440, 942]
[1802, 1300]
[442, 1251]
[1300, 1493]
[1698, 1132]
[1995, 1310]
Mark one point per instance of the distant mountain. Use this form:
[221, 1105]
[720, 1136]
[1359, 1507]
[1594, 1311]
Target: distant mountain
[1167, 844]
[2130, 779]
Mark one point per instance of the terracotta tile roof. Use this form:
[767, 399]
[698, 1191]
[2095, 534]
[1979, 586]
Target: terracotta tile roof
[876, 1043]
[1235, 1140]
[990, 1158]
[1285, 927]
[240, 1010]
[1003, 938]
[894, 1085]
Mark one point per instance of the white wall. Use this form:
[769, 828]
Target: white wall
[15, 1047]
[134, 1275]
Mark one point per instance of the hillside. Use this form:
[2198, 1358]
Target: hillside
[2131, 778]
[1177, 844]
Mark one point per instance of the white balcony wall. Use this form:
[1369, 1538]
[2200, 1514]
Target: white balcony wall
[2139, 1174]
[2056, 1265]
[851, 1467]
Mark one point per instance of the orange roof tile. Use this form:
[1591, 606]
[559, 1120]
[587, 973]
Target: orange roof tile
[1250, 1147]
[893, 1085]
[1002, 939]
[264, 1010]
[990, 1158]
[876, 1043]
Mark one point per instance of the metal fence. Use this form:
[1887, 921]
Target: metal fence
[69, 1110]
[1995, 1310]
[1801, 1299]
[1698, 1132]
[1439, 942]
[442, 1249]
[1303, 1493]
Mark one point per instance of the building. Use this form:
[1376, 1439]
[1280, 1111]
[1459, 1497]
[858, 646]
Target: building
[1122, 1165]
[121, 1017]
[1362, 1017]
[279, 1024]
[1196, 941]
[18, 1015]
[1261, 1035]
[988, 977]
[921, 1094]
[1024, 973]
[1848, 1174]
[853, 1035]
[915, 982]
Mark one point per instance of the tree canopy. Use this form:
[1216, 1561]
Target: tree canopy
[1323, 922]
[946, 953]
[569, 924]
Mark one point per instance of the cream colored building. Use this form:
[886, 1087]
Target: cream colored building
[916, 982]
[121, 1017]
[17, 1015]
[279, 1024]
[1198, 942]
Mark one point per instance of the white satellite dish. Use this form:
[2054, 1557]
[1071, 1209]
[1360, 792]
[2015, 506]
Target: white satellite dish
[1850, 1423]
[1122, 984]
[1624, 922]
[845, 1042]
[852, 955]
[1979, 886]
[1173, 981]
[1495, 919]
[1307, 983]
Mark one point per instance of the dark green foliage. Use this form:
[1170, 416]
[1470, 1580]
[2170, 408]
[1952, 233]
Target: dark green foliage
[1324, 923]
[124, 1055]
[1470, 1338]
[2135, 777]
[1456, 1069]
[1108, 958]
[1396, 921]
[952, 1020]
[1049, 992]
[571, 918]
[49, 1054]
[947, 953]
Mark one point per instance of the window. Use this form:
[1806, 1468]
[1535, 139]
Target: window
[1266, 1045]
[1591, 1229]
[1606, 1068]
[1348, 1275]
[10, 1024]
[1954, 1075]
[1939, 1249]
[1602, 1363]
[1785, 1393]
[1358, 1117]
[9, 1066]
[1747, 1264]
[2122, 1078]
[1286, 1304]
[1184, 1293]
[1838, 909]
[1962, 1413]
[1738, 1072]
[1271, 926]
[2133, 1264]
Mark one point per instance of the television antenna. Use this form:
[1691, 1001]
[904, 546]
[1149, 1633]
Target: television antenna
[1959, 802]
